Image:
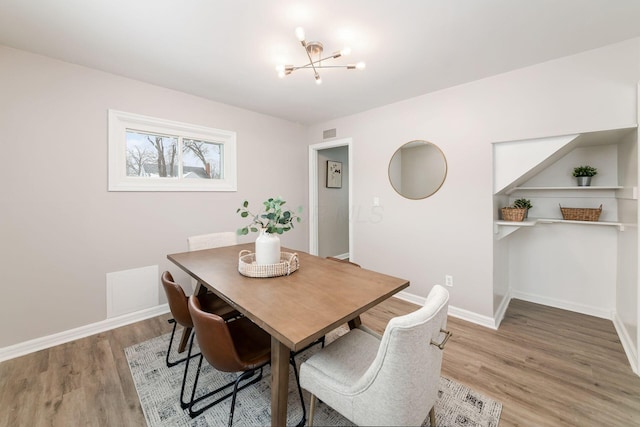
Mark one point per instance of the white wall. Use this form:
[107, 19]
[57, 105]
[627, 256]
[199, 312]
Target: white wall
[451, 232]
[627, 298]
[61, 231]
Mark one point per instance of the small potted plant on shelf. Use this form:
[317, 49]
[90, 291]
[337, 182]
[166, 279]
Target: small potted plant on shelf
[584, 174]
[523, 204]
[273, 221]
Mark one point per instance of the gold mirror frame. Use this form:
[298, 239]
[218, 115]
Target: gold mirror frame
[417, 169]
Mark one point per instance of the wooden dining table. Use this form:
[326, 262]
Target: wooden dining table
[295, 309]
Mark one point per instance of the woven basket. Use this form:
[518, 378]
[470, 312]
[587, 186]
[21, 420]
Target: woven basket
[513, 214]
[581, 214]
[247, 265]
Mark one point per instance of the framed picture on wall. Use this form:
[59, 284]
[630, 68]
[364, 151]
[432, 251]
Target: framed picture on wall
[334, 174]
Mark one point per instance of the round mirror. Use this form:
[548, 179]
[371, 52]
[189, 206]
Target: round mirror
[417, 169]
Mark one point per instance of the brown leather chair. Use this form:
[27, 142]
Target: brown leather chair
[178, 305]
[235, 346]
[179, 309]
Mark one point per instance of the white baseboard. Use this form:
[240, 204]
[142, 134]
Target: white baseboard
[627, 343]
[470, 316]
[412, 298]
[342, 256]
[565, 305]
[460, 313]
[41, 343]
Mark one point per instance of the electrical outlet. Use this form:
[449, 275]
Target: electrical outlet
[448, 280]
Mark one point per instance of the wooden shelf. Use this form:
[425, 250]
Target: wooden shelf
[503, 228]
[575, 187]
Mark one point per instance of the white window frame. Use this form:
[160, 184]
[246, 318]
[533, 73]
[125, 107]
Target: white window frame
[120, 121]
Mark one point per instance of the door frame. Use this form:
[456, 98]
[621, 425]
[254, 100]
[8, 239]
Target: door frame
[313, 190]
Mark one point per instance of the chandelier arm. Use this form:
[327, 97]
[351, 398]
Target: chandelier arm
[310, 59]
[334, 66]
[314, 66]
[321, 66]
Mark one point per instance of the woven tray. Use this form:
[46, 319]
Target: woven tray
[247, 265]
[513, 214]
[581, 214]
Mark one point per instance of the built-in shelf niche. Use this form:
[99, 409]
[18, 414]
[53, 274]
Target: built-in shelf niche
[550, 184]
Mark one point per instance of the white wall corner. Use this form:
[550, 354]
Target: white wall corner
[502, 309]
[48, 341]
[627, 342]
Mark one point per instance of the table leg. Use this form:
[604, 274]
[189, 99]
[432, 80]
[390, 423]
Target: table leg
[279, 382]
[186, 333]
[355, 322]
[200, 289]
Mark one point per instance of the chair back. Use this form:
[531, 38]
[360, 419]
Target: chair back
[209, 241]
[214, 339]
[177, 300]
[402, 381]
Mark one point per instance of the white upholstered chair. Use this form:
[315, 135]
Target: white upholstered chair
[389, 380]
[211, 240]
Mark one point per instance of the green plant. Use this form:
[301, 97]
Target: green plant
[522, 204]
[584, 171]
[273, 220]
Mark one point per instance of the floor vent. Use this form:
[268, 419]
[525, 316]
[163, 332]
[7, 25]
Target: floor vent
[132, 290]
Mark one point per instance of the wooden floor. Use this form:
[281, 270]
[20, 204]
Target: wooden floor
[548, 367]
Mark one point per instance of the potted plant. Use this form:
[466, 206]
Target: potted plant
[272, 222]
[523, 204]
[584, 174]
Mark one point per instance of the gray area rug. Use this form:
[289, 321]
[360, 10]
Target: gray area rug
[158, 388]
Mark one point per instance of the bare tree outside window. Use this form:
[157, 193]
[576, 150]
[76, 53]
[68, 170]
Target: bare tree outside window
[136, 159]
[153, 154]
[201, 159]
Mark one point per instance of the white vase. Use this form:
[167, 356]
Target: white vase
[267, 248]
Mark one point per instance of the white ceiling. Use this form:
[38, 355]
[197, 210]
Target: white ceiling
[227, 50]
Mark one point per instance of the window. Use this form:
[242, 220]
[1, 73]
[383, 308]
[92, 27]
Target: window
[150, 154]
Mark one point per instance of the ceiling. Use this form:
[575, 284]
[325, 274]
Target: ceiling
[227, 50]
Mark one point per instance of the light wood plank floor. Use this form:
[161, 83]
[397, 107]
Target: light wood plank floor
[548, 367]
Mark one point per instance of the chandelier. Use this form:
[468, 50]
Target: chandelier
[314, 53]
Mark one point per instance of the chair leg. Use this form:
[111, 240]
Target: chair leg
[312, 409]
[246, 374]
[295, 371]
[173, 333]
[184, 404]
[432, 417]
[194, 413]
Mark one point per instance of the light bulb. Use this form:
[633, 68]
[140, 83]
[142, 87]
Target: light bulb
[300, 33]
[318, 79]
[361, 65]
[281, 74]
[345, 51]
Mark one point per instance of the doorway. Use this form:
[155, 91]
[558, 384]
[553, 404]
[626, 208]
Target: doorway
[330, 230]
